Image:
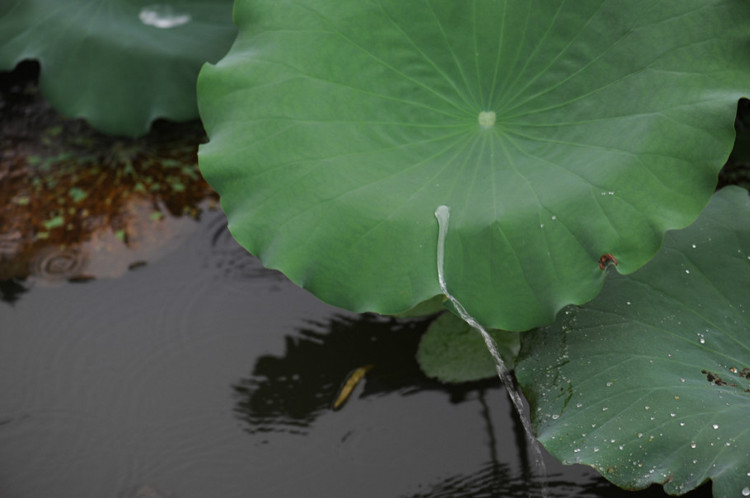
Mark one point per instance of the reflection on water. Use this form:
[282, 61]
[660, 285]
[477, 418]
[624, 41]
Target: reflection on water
[287, 393]
[76, 204]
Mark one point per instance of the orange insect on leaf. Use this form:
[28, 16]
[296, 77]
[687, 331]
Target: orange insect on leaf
[605, 260]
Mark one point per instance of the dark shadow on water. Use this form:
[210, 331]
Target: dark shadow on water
[11, 290]
[287, 393]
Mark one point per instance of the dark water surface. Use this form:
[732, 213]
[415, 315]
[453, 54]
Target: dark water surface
[203, 375]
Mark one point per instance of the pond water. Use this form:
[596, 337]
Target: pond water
[204, 375]
[163, 361]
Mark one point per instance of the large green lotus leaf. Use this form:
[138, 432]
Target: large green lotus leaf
[453, 351]
[650, 381]
[119, 64]
[337, 129]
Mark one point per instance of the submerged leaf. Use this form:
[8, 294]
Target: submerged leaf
[452, 351]
[650, 382]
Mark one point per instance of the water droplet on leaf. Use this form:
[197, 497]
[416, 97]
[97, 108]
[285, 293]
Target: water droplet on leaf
[163, 16]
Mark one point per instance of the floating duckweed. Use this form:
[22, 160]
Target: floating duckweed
[55, 222]
[77, 194]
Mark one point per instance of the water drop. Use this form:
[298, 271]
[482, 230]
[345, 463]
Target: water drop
[163, 16]
[715, 426]
[554, 217]
[609, 384]
[555, 416]
[693, 246]
[682, 380]
[578, 405]
[687, 271]
[628, 303]
[746, 491]
[682, 424]
[604, 408]
[596, 450]
[646, 407]
[693, 445]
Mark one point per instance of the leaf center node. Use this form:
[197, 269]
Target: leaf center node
[486, 119]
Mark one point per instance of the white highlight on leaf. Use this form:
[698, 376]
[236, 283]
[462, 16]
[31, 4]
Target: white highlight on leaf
[163, 16]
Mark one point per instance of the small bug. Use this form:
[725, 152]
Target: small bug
[605, 260]
[351, 382]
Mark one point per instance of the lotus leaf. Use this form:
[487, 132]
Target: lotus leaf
[119, 64]
[650, 381]
[557, 132]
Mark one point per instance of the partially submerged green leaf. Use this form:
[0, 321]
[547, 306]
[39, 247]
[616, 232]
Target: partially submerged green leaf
[452, 351]
[119, 64]
[650, 382]
[556, 132]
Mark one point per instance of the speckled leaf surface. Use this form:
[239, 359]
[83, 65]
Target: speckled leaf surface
[119, 64]
[556, 132]
[650, 382]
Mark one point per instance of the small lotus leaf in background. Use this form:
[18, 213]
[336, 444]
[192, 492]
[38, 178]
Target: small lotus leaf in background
[650, 382]
[119, 64]
[452, 351]
[337, 129]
